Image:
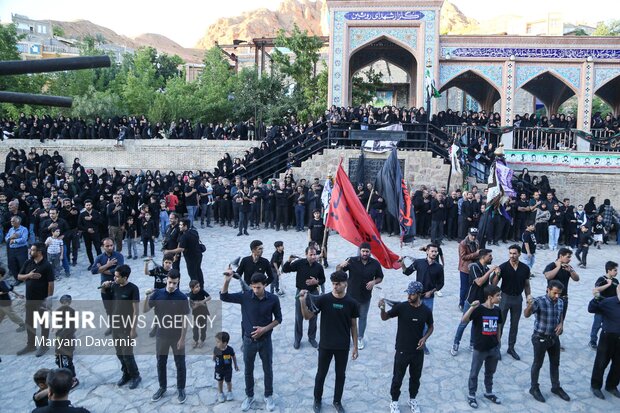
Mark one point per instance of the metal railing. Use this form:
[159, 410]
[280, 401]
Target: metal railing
[544, 139]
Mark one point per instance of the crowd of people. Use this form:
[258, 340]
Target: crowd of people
[47, 210]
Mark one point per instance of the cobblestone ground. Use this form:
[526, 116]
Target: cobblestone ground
[444, 378]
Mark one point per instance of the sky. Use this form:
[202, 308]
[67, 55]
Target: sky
[186, 21]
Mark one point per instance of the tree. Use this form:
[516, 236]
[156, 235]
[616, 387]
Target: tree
[58, 31]
[138, 92]
[215, 86]
[609, 28]
[299, 67]
[365, 86]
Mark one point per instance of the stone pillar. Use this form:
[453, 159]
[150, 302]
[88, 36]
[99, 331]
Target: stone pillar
[509, 97]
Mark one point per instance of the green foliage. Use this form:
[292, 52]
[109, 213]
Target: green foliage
[299, 69]
[580, 32]
[365, 85]
[58, 31]
[570, 107]
[609, 28]
[97, 103]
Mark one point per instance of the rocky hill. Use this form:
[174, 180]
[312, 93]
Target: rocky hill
[453, 21]
[80, 28]
[265, 23]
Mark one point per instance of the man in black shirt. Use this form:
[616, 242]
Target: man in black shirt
[171, 239]
[604, 286]
[125, 310]
[338, 327]
[117, 215]
[39, 277]
[485, 319]
[59, 383]
[309, 276]
[70, 214]
[189, 245]
[89, 222]
[562, 271]
[255, 263]
[364, 273]
[439, 216]
[515, 279]
[47, 228]
[191, 200]
[413, 319]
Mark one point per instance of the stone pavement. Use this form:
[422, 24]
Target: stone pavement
[444, 378]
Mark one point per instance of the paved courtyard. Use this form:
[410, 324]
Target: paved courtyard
[444, 378]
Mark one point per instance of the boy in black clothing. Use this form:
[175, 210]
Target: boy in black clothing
[584, 241]
[148, 231]
[159, 274]
[224, 358]
[276, 262]
[486, 319]
[198, 298]
[64, 353]
[40, 397]
[131, 237]
[529, 246]
[598, 231]
[316, 233]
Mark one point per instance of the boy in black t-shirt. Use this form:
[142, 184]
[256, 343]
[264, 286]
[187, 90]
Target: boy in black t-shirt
[159, 274]
[198, 298]
[584, 239]
[486, 319]
[224, 358]
[598, 231]
[276, 262]
[605, 286]
[40, 397]
[529, 246]
[64, 348]
[316, 233]
[410, 341]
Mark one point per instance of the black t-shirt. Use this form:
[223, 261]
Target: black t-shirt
[247, 267]
[486, 323]
[191, 200]
[124, 297]
[336, 320]
[598, 228]
[277, 258]
[37, 289]
[513, 281]
[562, 275]
[476, 292]
[190, 242]
[411, 322]
[159, 277]
[609, 291]
[359, 275]
[199, 296]
[223, 358]
[317, 229]
[530, 239]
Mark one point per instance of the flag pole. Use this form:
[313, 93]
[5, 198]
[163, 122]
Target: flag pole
[449, 177]
[372, 189]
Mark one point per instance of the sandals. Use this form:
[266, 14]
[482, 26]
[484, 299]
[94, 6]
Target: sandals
[472, 402]
[493, 398]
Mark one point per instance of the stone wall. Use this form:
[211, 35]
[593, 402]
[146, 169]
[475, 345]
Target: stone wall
[579, 187]
[420, 167]
[165, 154]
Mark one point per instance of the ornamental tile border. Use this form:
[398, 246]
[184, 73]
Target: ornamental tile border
[542, 53]
[359, 36]
[448, 72]
[603, 75]
[526, 72]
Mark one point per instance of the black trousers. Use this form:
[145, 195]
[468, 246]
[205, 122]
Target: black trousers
[403, 361]
[193, 269]
[91, 240]
[608, 350]
[325, 358]
[543, 345]
[199, 329]
[72, 241]
[163, 344]
[281, 216]
[124, 352]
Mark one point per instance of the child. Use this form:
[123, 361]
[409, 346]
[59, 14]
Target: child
[276, 262]
[584, 241]
[40, 397]
[198, 301]
[529, 245]
[5, 302]
[224, 357]
[159, 274]
[598, 229]
[64, 353]
[316, 233]
[148, 229]
[131, 235]
[55, 248]
[164, 219]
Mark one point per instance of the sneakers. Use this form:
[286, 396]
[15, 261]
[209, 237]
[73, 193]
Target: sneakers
[316, 406]
[413, 405]
[158, 394]
[123, 381]
[181, 396]
[229, 396]
[313, 343]
[220, 398]
[561, 394]
[394, 408]
[513, 353]
[454, 350]
[338, 407]
[535, 392]
[471, 348]
[247, 404]
[360, 343]
[270, 404]
[598, 393]
[280, 292]
[592, 345]
[41, 351]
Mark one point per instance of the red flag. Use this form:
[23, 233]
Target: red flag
[348, 216]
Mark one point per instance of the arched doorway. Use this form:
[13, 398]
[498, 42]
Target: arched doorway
[386, 53]
[477, 87]
[610, 95]
[550, 90]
